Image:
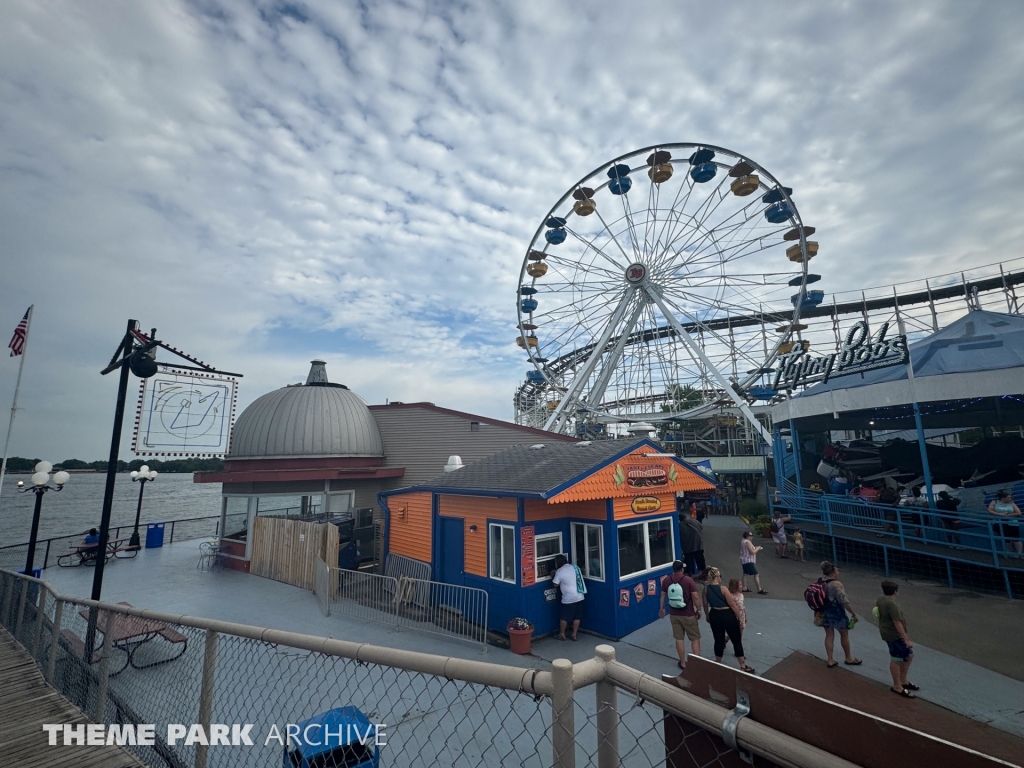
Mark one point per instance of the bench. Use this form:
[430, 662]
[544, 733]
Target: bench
[133, 550]
[77, 645]
[172, 635]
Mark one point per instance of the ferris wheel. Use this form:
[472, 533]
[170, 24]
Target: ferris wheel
[661, 285]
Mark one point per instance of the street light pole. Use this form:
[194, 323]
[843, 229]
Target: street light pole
[39, 486]
[143, 476]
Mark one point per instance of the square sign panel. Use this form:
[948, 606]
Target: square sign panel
[184, 413]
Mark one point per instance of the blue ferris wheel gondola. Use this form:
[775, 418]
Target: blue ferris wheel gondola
[555, 236]
[620, 182]
[762, 392]
[529, 305]
[776, 196]
[704, 172]
[811, 299]
[535, 377]
[527, 290]
[778, 213]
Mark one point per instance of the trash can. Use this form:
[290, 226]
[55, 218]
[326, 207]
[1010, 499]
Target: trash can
[154, 535]
[36, 572]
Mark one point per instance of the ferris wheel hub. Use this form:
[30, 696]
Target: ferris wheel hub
[636, 273]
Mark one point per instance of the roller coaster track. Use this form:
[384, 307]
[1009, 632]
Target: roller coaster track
[967, 289]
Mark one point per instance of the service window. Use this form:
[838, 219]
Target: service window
[588, 549]
[502, 543]
[645, 546]
[546, 547]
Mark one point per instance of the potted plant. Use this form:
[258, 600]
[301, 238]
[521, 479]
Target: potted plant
[519, 632]
[763, 526]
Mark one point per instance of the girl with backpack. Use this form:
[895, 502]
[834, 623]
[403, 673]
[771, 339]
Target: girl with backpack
[827, 597]
[724, 617]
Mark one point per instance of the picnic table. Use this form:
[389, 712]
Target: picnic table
[86, 554]
[129, 634]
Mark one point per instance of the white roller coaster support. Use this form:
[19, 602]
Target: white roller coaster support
[581, 378]
[725, 385]
[597, 392]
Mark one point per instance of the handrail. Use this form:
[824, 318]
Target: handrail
[115, 533]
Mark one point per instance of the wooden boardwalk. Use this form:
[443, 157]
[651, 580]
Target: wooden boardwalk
[26, 702]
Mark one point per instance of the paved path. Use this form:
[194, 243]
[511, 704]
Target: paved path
[26, 701]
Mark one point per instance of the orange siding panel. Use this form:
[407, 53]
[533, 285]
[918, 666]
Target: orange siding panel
[410, 525]
[535, 510]
[623, 508]
[636, 475]
[476, 510]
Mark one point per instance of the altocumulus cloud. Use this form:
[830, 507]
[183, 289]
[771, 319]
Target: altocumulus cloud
[267, 182]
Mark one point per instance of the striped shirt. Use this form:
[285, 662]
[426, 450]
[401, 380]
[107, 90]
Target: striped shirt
[747, 554]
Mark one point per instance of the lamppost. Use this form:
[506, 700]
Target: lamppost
[143, 476]
[39, 486]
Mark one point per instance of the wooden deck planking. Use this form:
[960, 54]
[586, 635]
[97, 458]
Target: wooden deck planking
[26, 702]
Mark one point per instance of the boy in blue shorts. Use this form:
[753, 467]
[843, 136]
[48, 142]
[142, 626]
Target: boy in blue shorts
[893, 627]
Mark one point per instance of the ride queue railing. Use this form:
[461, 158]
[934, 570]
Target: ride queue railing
[48, 550]
[976, 531]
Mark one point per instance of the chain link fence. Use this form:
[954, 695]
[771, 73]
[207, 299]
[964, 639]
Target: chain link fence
[148, 667]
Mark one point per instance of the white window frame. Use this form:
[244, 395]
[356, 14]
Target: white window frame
[585, 566]
[536, 561]
[647, 548]
[510, 530]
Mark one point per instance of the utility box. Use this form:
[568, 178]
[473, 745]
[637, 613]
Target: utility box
[154, 535]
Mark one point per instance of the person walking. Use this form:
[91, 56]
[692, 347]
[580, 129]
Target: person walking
[1003, 506]
[683, 610]
[748, 560]
[947, 505]
[798, 544]
[691, 533]
[834, 617]
[569, 581]
[724, 617]
[892, 626]
[778, 532]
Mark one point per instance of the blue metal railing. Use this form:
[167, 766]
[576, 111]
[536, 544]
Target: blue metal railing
[977, 531]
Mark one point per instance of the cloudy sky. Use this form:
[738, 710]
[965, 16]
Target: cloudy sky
[266, 183]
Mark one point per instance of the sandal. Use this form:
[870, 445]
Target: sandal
[911, 687]
[762, 591]
[559, 637]
[853, 662]
[748, 590]
[833, 665]
[745, 668]
[904, 693]
[573, 638]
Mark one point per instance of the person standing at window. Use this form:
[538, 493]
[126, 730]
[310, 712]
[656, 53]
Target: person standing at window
[691, 533]
[569, 581]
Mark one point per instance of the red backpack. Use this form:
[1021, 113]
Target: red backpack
[816, 595]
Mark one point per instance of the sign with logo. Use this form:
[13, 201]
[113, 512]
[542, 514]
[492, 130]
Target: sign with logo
[624, 598]
[527, 556]
[550, 595]
[642, 505]
[638, 590]
[635, 273]
[859, 353]
[652, 587]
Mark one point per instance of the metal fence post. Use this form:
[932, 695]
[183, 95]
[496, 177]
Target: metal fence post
[20, 608]
[51, 660]
[104, 671]
[5, 599]
[206, 694]
[40, 613]
[607, 715]
[46, 557]
[563, 726]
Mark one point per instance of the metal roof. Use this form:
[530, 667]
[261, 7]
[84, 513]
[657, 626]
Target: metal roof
[317, 419]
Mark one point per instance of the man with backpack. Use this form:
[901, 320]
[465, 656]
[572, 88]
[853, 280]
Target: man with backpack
[684, 610]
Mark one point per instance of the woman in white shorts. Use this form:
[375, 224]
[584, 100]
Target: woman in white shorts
[778, 531]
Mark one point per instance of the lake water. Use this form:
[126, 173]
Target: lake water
[78, 507]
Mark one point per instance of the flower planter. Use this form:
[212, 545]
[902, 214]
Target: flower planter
[519, 639]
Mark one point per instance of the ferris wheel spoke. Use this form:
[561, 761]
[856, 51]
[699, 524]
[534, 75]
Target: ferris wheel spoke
[581, 377]
[670, 222]
[710, 235]
[590, 244]
[698, 219]
[627, 212]
[707, 329]
[612, 359]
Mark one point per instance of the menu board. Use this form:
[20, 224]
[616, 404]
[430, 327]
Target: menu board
[527, 556]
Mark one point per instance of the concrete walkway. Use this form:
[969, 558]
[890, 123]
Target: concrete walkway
[167, 579]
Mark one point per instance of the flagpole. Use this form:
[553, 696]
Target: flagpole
[14, 405]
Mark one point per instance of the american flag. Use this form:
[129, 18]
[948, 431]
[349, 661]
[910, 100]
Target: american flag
[17, 344]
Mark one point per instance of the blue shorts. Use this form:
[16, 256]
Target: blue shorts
[898, 650]
[749, 569]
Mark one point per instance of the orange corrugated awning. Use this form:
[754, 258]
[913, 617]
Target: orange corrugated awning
[636, 474]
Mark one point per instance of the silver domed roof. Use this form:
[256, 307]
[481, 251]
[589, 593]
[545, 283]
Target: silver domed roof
[311, 420]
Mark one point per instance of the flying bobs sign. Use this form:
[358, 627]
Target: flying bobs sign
[859, 353]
